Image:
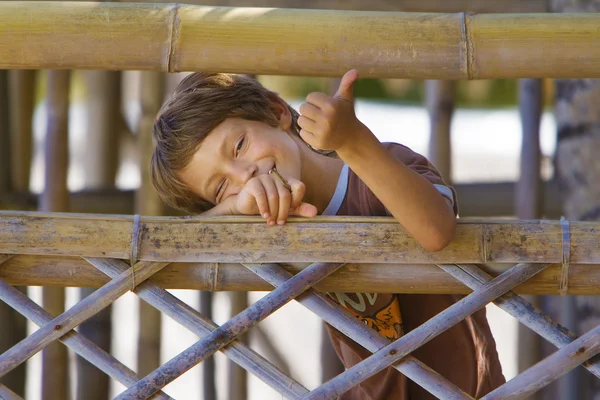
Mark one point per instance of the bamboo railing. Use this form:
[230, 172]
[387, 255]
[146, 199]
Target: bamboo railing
[169, 37]
[149, 244]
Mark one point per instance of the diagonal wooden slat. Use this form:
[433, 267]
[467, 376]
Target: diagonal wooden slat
[227, 332]
[5, 257]
[201, 326]
[424, 333]
[75, 315]
[76, 342]
[342, 320]
[521, 309]
[550, 368]
[7, 394]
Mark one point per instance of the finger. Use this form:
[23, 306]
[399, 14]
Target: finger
[285, 199]
[310, 111]
[305, 210]
[257, 191]
[346, 89]
[307, 124]
[272, 198]
[298, 190]
[319, 100]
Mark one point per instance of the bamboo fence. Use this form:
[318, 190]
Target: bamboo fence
[128, 251]
[171, 37]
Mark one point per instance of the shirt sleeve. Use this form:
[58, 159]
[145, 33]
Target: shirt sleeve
[420, 165]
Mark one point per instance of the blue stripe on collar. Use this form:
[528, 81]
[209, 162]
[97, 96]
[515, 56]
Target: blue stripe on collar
[340, 193]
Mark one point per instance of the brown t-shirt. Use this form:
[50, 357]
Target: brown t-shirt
[465, 354]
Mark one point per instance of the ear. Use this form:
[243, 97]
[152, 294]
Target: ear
[282, 112]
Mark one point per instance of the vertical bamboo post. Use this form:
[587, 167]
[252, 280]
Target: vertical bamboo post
[14, 326]
[237, 375]
[55, 199]
[209, 389]
[101, 164]
[148, 203]
[528, 199]
[22, 95]
[439, 100]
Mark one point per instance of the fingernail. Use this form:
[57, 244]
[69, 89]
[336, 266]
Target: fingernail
[266, 215]
[271, 222]
[281, 222]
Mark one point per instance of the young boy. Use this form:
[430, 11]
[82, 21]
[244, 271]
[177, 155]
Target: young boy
[225, 145]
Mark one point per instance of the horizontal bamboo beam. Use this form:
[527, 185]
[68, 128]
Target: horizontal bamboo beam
[171, 37]
[584, 279]
[476, 200]
[322, 239]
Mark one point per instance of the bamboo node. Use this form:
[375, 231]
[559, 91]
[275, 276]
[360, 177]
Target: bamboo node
[135, 239]
[566, 256]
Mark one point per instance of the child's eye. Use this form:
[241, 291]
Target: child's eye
[239, 145]
[218, 193]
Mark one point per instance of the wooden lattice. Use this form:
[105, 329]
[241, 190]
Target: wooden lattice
[151, 244]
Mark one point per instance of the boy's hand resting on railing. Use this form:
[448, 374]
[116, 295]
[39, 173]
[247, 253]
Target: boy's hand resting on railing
[267, 196]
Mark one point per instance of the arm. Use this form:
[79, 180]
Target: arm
[330, 123]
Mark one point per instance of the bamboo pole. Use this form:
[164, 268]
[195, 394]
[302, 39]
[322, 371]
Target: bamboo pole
[55, 372]
[528, 199]
[229, 331]
[22, 94]
[238, 386]
[201, 326]
[439, 100]
[316, 42]
[100, 165]
[148, 203]
[14, 326]
[209, 387]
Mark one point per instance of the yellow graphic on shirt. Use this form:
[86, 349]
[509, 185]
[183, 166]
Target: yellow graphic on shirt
[387, 320]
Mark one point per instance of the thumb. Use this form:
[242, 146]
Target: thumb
[346, 89]
[305, 210]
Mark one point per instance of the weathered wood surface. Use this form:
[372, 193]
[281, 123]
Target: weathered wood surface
[322, 239]
[379, 278]
[367, 337]
[169, 37]
[74, 340]
[198, 323]
[229, 331]
[414, 339]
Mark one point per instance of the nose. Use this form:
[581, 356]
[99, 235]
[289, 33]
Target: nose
[242, 172]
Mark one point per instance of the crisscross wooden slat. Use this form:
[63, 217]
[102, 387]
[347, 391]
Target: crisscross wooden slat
[229, 331]
[522, 310]
[342, 320]
[87, 307]
[427, 331]
[201, 326]
[7, 394]
[76, 342]
[550, 368]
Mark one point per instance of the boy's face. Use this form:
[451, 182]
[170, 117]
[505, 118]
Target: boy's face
[237, 150]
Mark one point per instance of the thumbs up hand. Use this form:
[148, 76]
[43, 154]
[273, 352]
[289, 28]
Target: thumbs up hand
[329, 123]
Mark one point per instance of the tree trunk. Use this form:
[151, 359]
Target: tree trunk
[578, 172]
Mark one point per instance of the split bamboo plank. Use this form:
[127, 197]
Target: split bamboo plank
[550, 368]
[75, 341]
[321, 239]
[584, 279]
[521, 309]
[229, 331]
[424, 333]
[367, 337]
[198, 323]
[75, 315]
[171, 37]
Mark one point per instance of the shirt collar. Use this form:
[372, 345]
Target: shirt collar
[340, 193]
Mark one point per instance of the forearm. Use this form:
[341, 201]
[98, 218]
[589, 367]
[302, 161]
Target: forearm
[410, 198]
